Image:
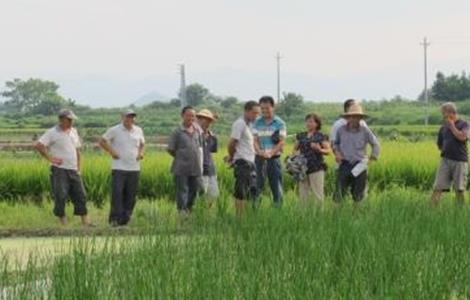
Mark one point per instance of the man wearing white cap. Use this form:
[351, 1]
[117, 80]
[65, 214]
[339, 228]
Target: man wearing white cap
[209, 175]
[60, 146]
[125, 143]
[350, 146]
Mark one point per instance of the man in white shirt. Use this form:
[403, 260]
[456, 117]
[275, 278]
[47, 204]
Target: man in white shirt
[241, 153]
[60, 145]
[125, 143]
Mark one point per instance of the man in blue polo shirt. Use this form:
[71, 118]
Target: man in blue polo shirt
[270, 132]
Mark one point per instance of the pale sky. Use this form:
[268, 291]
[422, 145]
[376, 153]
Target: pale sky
[111, 52]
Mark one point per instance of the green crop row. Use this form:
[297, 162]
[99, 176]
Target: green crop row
[401, 164]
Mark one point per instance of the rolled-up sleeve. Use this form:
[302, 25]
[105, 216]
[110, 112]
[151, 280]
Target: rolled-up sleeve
[374, 142]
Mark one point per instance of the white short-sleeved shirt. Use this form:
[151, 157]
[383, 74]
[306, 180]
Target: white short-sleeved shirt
[63, 145]
[126, 143]
[241, 131]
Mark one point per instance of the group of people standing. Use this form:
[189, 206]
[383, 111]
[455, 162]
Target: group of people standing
[255, 147]
[349, 139]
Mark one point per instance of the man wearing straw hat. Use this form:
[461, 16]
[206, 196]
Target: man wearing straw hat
[350, 147]
[209, 177]
[125, 143]
[60, 145]
[342, 121]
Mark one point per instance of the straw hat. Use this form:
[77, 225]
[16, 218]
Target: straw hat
[355, 110]
[205, 113]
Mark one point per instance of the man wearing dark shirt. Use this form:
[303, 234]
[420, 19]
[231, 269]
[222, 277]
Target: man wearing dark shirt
[209, 177]
[452, 142]
[185, 145]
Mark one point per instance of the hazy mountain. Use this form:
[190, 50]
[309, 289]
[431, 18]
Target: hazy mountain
[151, 97]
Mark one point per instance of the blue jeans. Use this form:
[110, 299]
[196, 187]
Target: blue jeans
[272, 169]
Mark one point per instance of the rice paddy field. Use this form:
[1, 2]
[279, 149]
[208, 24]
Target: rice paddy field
[392, 246]
[25, 176]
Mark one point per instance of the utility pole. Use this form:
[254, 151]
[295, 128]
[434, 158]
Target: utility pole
[425, 45]
[182, 93]
[278, 61]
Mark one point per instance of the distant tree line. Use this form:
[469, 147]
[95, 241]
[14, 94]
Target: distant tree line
[36, 96]
[454, 87]
[33, 97]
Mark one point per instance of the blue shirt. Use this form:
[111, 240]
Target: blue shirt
[264, 132]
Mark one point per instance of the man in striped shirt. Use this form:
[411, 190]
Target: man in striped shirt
[270, 133]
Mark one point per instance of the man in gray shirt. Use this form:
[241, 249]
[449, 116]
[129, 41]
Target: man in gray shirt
[350, 148]
[185, 145]
[342, 121]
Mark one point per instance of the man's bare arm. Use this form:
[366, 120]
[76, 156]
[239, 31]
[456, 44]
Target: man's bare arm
[141, 151]
[232, 148]
[79, 160]
[44, 153]
[107, 147]
[461, 135]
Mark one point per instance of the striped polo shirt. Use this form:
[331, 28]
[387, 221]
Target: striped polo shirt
[264, 131]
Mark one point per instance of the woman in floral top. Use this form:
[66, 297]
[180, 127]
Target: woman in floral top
[313, 145]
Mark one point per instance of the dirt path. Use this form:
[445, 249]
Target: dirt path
[66, 232]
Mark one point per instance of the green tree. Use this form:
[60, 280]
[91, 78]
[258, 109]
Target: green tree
[292, 104]
[175, 102]
[196, 94]
[33, 96]
[451, 88]
[229, 102]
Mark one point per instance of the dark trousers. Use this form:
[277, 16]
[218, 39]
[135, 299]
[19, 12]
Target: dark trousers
[187, 188]
[272, 169]
[67, 183]
[124, 185]
[345, 180]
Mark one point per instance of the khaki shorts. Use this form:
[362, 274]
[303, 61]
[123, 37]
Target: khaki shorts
[451, 171]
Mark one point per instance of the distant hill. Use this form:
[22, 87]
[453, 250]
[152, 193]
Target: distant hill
[151, 97]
